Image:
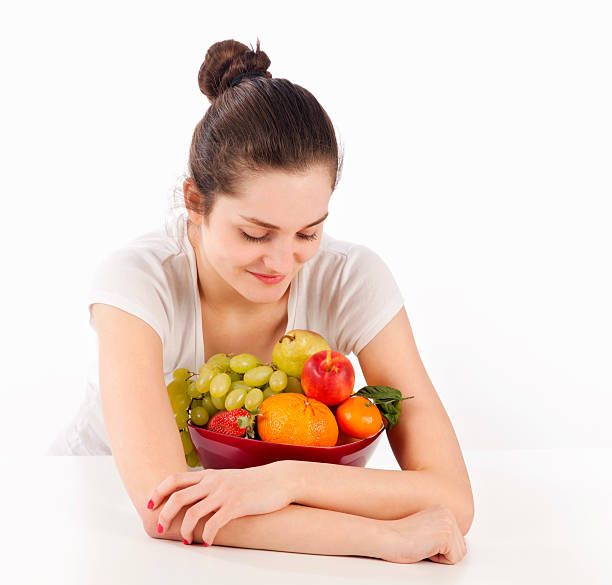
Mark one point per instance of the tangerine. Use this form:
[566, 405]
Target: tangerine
[359, 417]
[296, 419]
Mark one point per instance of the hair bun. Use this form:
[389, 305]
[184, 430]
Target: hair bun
[224, 61]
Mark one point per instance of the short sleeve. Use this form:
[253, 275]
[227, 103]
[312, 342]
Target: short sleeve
[133, 281]
[366, 299]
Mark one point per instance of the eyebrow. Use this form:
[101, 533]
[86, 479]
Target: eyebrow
[275, 227]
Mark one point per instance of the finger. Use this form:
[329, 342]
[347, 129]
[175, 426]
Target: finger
[171, 484]
[178, 500]
[225, 514]
[439, 558]
[194, 513]
[453, 553]
[459, 548]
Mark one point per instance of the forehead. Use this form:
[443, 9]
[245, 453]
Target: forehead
[280, 198]
[313, 182]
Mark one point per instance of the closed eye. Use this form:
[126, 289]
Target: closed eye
[265, 238]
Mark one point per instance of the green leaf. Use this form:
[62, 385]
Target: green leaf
[387, 399]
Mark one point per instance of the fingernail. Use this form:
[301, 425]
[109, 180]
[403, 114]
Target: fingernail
[204, 543]
[160, 528]
[150, 504]
[185, 542]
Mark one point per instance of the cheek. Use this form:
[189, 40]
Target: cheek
[231, 254]
[241, 256]
[309, 252]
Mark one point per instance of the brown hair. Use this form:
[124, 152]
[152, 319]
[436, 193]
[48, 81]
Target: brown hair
[260, 123]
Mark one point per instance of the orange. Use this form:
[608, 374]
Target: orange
[359, 417]
[296, 419]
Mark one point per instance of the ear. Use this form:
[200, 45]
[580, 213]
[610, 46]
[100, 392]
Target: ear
[192, 196]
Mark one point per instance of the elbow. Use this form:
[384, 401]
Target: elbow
[466, 524]
[460, 501]
[146, 525]
[467, 516]
[151, 531]
[149, 523]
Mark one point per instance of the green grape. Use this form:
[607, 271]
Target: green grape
[193, 391]
[253, 399]
[181, 374]
[181, 419]
[187, 444]
[239, 384]
[207, 403]
[203, 368]
[278, 381]
[235, 398]
[219, 385]
[267, 387]
[218, 402]
[179, 402]
[235, 376]
[294, 385]
[219, 361]
[177, 387]
[205, 375]
[268, 392]
[199, 416]
[243, 362]
[192, 459]
[258, 376]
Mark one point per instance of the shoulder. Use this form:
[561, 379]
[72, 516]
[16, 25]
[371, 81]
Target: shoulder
[147, 277]
[349, 261]
[338, 253]
[151, 257]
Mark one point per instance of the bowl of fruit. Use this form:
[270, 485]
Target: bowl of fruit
[237, 411]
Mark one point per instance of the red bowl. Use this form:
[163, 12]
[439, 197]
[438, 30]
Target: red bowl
[219, 451]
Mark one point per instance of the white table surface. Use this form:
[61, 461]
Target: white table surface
[542, 516]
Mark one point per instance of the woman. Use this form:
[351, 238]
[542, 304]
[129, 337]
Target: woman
[250, 263]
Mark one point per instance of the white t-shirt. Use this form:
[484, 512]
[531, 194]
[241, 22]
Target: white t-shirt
[345, 292]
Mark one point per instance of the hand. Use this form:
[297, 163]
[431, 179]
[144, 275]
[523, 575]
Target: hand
[231, 492]
[431, 534]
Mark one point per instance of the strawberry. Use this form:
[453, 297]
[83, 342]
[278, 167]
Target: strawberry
[236, 422]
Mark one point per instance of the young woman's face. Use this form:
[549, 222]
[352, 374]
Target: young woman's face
[236, 245]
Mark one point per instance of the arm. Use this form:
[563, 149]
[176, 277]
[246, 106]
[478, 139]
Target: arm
[383, 494]
[292, 529]
[142, 432]
[423, 442]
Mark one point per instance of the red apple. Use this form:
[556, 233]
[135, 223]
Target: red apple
[328, 376]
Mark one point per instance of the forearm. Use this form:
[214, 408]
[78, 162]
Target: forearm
[383, 494]
[292, 529]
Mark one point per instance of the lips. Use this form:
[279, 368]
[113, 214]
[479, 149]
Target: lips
[267, 275]
[268, 279]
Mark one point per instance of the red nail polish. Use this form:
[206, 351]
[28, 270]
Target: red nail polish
[185, 542]
[150, 504]
[204, 543]
[160, 528]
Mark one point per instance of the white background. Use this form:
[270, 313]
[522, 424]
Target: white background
[478, 157]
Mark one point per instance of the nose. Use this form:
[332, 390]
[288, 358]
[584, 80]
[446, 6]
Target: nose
[281, 258]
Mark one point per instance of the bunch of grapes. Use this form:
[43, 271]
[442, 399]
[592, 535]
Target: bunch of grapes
[224, 382]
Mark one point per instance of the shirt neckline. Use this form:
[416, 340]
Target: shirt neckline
[199, 334]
